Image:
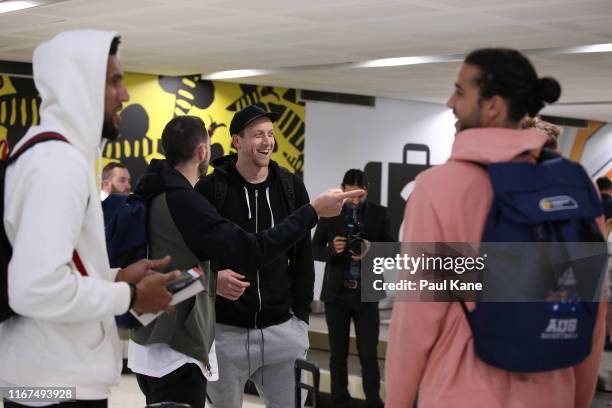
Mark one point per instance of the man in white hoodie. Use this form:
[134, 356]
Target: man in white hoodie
[60, 284]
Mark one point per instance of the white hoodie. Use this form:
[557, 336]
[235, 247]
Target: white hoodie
[65, 334]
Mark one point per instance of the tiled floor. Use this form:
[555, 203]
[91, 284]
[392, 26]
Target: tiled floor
[317, 324]
[128, 395]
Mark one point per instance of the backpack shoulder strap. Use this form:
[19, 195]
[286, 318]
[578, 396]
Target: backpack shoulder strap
[220, 191]
[45, 137]
[288, 187]
[79, 263]
[42, 137]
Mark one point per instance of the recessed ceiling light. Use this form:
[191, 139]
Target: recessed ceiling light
[399, 61]
[587, 49]
[402, 61]
[238, 73]
[6, 6]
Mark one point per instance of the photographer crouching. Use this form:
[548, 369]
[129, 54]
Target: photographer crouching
[339, 241]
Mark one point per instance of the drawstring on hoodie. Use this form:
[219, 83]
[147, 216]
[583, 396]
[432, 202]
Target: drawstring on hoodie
[247, 348]
[269, 206]
[263, 348]
[246, 193]
[248, 351]
[248, 202]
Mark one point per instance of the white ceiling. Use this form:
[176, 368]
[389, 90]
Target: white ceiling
[202, 36]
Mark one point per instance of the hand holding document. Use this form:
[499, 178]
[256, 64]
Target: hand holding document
[187, 285]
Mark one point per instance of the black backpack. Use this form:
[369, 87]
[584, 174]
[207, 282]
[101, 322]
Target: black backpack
[5, 247]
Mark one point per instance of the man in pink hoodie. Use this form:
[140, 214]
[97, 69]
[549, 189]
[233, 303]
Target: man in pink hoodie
[430, 346]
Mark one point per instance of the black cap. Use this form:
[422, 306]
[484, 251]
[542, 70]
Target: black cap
[246, 115]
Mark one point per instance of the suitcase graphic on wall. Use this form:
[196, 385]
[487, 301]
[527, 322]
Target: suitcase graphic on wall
[399, 185]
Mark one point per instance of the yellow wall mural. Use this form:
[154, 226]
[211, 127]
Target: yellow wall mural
[154, 100]
[19, 104]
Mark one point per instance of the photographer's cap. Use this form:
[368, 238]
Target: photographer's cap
[247, 115]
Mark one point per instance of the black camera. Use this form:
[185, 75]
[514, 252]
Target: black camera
[353, 235]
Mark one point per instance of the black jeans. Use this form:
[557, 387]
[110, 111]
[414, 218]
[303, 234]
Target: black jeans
[338, 315]
[67, 404]
[186, 384]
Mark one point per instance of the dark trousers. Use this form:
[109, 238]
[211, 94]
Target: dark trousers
[186, 385]
[338, 315]
[67, 404]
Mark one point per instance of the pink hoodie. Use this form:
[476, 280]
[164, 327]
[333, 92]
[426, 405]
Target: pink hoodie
[430, 344]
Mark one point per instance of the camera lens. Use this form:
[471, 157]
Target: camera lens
[354, 245]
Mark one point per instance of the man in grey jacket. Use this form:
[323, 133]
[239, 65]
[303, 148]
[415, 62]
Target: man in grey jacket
[171, 355]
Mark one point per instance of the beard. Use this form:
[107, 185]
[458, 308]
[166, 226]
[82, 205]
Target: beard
[109, 130]
[115, 190]
[468, 122]
[203, 167]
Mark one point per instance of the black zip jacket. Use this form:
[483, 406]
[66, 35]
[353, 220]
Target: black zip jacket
[285, 284]
[210, 236]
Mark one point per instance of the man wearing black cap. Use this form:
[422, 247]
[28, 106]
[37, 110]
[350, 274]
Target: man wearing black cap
[171, 354]
[262, 313]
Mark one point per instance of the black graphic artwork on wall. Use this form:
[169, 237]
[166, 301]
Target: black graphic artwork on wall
[192, 91]
[189, 91]
[290, 123]
[19, 107]
[216, 149]
[133, 146]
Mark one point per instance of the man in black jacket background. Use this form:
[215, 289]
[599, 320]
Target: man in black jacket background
[262, 314]
[334, 243]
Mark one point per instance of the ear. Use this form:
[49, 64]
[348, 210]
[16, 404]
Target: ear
[495, 110]
[106, 184]
[201, 151]
[235, 141]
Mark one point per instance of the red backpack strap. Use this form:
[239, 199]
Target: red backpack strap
[42, 137]
[79, 263]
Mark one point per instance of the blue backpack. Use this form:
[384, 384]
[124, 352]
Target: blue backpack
[125, 225]
[539, 302]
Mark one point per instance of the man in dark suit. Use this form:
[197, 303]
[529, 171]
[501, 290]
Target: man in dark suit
[334, 243]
